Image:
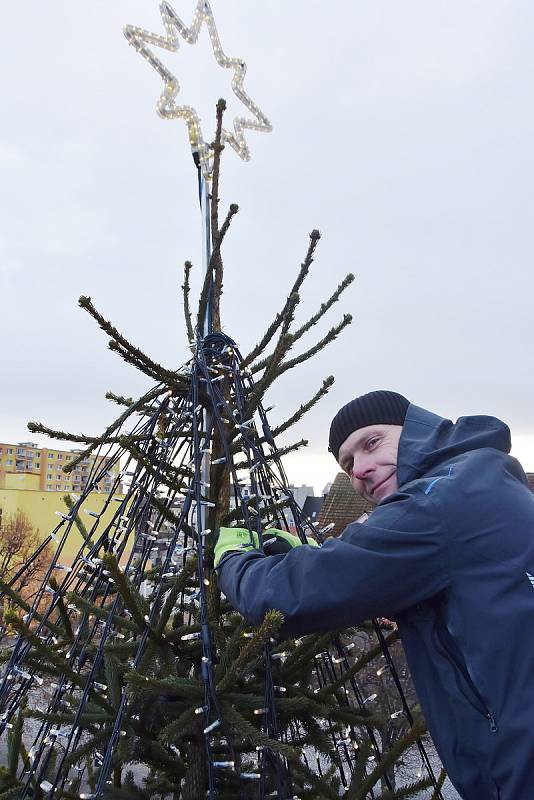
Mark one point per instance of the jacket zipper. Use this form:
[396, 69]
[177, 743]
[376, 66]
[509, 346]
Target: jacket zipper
[484, 710]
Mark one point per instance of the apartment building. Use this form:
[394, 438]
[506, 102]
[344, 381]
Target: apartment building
[27, 466]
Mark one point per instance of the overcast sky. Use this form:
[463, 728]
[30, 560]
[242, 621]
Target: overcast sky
[402, 130]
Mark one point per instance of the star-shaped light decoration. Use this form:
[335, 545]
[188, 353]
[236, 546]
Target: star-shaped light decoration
[167, 106]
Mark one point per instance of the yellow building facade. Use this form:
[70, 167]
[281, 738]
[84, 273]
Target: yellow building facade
[41, 507]
[32, 480]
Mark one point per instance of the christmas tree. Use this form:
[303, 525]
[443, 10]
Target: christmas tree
[129, 675]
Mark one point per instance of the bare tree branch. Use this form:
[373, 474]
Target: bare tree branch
[123, 346]
[275, 324]
[187, 310]
[305, 407]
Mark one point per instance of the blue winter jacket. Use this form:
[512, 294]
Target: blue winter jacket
[450, 557]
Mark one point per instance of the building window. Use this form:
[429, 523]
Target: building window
[48, 477]
[50, 455]
[49, 486]
[58, 487]
[20, 451]
[60, 456]
[68, 458]
[38, 465]
[9, 461]
[9, 451]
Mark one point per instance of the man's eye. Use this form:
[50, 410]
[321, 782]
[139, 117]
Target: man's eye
[371, 442]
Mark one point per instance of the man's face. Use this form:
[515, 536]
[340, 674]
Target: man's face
[369, 457]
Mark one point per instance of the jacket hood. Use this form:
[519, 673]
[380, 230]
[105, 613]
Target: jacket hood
[428, 439]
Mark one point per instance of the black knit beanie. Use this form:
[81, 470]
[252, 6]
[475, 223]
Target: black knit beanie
[374, 408]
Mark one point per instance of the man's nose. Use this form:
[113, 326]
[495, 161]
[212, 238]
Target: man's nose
[361, 469]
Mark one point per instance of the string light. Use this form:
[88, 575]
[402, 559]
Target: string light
[167, 106]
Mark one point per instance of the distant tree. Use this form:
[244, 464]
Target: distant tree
[19, 539]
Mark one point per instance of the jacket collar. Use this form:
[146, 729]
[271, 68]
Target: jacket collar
[428, 440]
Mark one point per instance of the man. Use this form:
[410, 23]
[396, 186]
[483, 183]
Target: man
[448, 553]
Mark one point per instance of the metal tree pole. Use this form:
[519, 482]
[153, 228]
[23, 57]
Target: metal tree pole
[204, 185]
[204, 198]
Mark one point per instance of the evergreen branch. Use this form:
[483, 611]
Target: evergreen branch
[270, 625]
[285, 340]
[127, 356]
[88, 747]
[232, 211]
[305, 407]
[259, 739]
[231, 649]
[216, 265]
[173, 474]
[150, 395]
[178, 586]
[87, 720]
[101, 612]
[318, 784]
[410, 790]
[179, 728]
[19, 601]
[175, 634]
[353, 716]
[123, 650]
[309, 647]
[170, 516]
[324, 307]
[237, 513]
[14, 742]
[318, 737]
[362, 661]
[69, 502]
[153, 753]
[124, 344]
[389, 759]
[284, 343]
[171, 687]
[332, 334]
[52, 656]
[283, 451]
[359, 770]
[275, 324]
[112, 673]
[212, 285]
[82, 438]
[119, 399]
[130, 595]
[62, 611]
[187, 310]
[440, 782]
[13, 793]
[218, 147]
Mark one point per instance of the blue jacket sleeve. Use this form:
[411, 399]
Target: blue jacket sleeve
[376, 569]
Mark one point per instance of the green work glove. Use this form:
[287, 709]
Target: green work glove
[230, 540]
[277, 541]
[239, 540]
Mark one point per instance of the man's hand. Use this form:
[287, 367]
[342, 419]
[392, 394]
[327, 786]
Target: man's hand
[234, 540]
[276, 541]
[240, 540]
